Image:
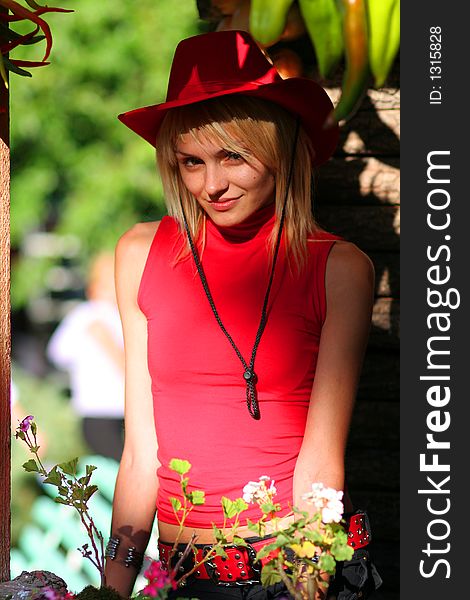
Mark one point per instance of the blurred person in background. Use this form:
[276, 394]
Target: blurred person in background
[88, 345]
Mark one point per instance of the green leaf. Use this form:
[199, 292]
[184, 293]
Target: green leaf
[62, 501]
[341, 551]
[233, 507]
[184, 486]
[255, 527]
[34, 428]
[197, 497]
[69, 468]
[282, 539]
[228, 507]
[63, 491]
[219, 535]
[180, 466]
[270, 575]
[89, 469]
[34, 40]
[89, 491]
[219, 551]
[313, 535]
[77, 494]
[53, 477]
[327, 563]
[265, 550]
[20, 434]
[14, 69]
[31, 466]
[240, 505]
[340, 536]
[34, 4]
[176, 504]
[269, 507]
[239, 541]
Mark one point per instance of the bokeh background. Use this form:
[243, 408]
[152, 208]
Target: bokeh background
[80, 179]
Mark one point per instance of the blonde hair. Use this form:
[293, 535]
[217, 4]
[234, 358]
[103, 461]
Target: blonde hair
[270, 129]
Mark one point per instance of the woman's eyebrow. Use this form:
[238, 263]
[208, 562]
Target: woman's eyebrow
[183, 153]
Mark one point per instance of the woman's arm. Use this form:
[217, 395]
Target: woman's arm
[136, 486]
[349, 294]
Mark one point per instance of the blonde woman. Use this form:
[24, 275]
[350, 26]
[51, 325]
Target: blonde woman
[245, 324]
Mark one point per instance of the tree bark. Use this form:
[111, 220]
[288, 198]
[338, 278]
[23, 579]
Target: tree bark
[5, 343]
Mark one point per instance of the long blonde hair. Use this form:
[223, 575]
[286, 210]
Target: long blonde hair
[270, 130]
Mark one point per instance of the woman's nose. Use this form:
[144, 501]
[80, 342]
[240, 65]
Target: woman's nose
[216, 180]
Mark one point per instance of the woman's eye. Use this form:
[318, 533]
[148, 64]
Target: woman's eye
[191, 161]
[233, 155]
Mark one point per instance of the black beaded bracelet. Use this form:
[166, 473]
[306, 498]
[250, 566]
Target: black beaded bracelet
[133, 557]
[112, 546]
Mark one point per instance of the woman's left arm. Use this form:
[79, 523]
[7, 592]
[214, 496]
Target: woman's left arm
[349, 282]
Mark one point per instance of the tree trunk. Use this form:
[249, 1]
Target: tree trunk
[5, 343]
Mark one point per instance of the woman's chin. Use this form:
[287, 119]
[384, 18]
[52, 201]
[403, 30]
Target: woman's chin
[230, 216]
[227, 218]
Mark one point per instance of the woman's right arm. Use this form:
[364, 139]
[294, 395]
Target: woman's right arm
[134, 502]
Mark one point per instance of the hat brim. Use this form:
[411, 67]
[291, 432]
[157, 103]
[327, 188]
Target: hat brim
[298, 95]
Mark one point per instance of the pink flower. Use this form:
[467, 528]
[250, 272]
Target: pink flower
[52, 594]
[26, 423]
[158, 578]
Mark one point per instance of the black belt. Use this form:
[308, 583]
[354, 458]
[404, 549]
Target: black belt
[240, 566]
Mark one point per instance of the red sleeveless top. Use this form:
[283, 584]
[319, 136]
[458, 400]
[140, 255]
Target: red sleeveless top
[198, 389]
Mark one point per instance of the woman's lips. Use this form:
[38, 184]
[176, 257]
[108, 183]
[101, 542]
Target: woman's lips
[224, 204]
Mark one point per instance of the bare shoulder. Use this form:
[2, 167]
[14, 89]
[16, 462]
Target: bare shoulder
[131, 255]
[349, 268]
[135, 242]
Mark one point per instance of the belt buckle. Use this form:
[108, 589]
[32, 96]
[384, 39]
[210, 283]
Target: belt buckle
[214, 573]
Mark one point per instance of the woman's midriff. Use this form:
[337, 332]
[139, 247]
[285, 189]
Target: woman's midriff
[169, 532]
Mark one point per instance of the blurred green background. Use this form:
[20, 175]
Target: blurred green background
[79, 180]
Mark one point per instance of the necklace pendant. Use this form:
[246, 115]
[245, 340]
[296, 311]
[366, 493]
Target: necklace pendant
[249, 376]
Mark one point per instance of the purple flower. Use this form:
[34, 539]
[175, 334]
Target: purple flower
[26, 423]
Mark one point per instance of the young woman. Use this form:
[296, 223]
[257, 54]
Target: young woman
[245, 324]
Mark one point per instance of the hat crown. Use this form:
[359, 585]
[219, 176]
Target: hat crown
[210, 63]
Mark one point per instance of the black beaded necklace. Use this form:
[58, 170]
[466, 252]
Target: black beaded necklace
[249, 374]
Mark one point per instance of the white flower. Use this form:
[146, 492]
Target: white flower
[258, 491]
[250, 490]
[326, 501]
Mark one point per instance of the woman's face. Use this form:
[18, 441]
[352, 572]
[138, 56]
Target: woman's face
[227, 187]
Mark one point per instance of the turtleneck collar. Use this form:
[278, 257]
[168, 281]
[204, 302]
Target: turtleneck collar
[259, 222]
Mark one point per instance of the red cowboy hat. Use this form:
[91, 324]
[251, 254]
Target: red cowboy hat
[229, 62]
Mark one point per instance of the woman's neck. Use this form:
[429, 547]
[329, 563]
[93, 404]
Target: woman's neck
[260, 221]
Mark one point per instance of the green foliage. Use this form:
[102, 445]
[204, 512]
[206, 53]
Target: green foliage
[104, 593]
[69, 468]
[31, 466]
[270, 574]
[180, 466]
[176, 504]
[327, 563]
[77, 170]
[197, 497]
[232, 508]
[60, 436]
